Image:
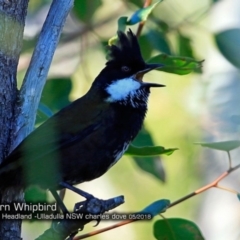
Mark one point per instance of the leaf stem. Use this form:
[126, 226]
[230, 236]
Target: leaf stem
[227, 189]
[229, 159]
[141, 24]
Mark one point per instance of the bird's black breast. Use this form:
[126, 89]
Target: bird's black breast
[104, 147]
[51, 154]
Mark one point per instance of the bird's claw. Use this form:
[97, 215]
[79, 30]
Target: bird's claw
[98, 221]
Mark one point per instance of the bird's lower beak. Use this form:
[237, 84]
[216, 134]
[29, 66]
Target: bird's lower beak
[151, 66]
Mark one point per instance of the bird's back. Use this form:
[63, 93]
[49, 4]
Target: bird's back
[65, 146]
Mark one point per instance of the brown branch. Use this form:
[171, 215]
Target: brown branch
[68, 228]
[141, 24]
[198, 191]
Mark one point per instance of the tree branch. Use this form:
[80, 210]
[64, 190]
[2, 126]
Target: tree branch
[12, 19]
[34, 81]
[198, 191]
[91, 207]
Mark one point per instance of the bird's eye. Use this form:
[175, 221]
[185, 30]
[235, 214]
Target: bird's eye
[126, 68]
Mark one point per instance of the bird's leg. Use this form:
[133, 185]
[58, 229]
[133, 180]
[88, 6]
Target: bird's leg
[60, 205]
[59, 201]
[76, 190]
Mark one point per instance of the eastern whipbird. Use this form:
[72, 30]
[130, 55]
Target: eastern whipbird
[83, 140]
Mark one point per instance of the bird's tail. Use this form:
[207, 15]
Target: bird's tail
[10, 188]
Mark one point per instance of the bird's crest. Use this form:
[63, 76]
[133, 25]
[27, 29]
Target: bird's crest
[127, 49]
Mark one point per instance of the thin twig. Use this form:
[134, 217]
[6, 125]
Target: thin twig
[141, 24]
[198, 191]
[227, 189]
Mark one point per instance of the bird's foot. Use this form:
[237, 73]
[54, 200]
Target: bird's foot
[92, 205]
[96, 207]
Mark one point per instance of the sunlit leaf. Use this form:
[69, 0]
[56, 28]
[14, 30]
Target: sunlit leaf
[224, 146]
[177, 65]
[149, 150]
[156, 207]
[176, 229]
[139, 16]
[142, 14]
[122, 23]
[228, 44]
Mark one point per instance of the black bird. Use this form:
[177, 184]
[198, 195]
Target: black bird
[83, 140]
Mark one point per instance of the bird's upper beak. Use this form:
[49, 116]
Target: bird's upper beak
[148, 67]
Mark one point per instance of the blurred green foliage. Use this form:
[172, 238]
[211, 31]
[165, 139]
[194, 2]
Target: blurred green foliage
[85, 9]
[168, 38]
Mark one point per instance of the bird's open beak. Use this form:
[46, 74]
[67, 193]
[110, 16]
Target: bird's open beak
[151, 66]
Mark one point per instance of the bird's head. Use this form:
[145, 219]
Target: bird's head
[121, 79]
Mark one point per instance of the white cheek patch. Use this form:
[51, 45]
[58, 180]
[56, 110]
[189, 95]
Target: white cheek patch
[120, 89]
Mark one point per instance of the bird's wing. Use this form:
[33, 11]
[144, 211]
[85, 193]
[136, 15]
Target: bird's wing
[69, 125]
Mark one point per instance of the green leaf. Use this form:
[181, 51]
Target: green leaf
[142, 14]
[184, 46]
[238, 196]
[156, 207]
[149, 150]
[177, 65]
[139, 16]
[228, 44]
[224, 146]
[122, 23]
[85, 9]
[152, 165]
[176, 229]
[159, 41]
[146, 48]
